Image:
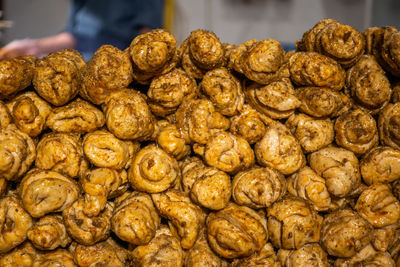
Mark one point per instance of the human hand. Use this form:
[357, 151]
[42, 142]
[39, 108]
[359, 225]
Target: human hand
[19, 48]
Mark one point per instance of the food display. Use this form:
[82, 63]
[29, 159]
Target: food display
[204, 153]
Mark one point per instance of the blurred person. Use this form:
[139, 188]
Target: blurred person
[92, 23]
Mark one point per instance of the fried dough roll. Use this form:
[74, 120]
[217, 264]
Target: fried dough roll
[258, 187]
[14, 223]
[198, 120]
[5, 116]
[135, 218]
[108, 70]
[153, 170]
[322, 102]
[107, 253]
[367, 85]
[224, 90]
[163, 250]
[236, 231]
[312, 134]
[279, 149]
[29, 113]
[152, 54]
[44, 191]
[339, 167]
[79, 116]
[200, 52]
[293, 223]
[311, 187]
[308, 255]
[260, 61]
[87, 230]
[185, 218]
[61, 152]
[378, 206]
[206, 186]
[17, 152]
[276, 100]
[265, 257]
[227, 152]
[17, 74]
[313, 69]
[389, 125]
[128, 116]
[344, 233]
[171, 140]
[167, 92]
[49, 233]
[356, 131]
[380, 165]
[59, 257]
[58, 76]
[367, 258]
[21, 256]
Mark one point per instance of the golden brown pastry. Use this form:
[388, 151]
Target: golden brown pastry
[17, 74]
[58, 76]
[311, 187]
[344, 233]
[367, 85]
[14, 223]
[167, 92]
[79, 116]
[293, 223]
[17, 152]
[312, 134]
[153, 170]
[152, 54]
[339, 167]
[389, 125]
[236, 231]
[44, 191]
[200, 52]
[3, 186]
[206, 186]
[49, 233]
[279, 149]
[276, 99]
[61, 152]
[59, 258]
[367, 257]
[171, 140]
[5, 116]
[87, 230]
[108, 70]
[227, 152]
[356, 131]
[308, 255]
[198, 120]
[135, 218]
[185, 218]
[265, 257]
[106, 253]
[385, 237]
[258, 187]
[322, 102]
[128, 116]
[21, 256]
[313, 69]
[224, 90]
[163, 250]
[396, 91]
[380, 165]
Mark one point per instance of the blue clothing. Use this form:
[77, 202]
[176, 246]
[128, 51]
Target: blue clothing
[116, 22]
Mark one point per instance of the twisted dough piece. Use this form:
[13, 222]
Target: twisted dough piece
[135, 218]
[59, 257]
[58, 76]
[49, 233]
[293, 223]
[236, 231]
[128, 116]
[206, 186]
[265, 257]
[258, 187]
[185, 218]
[171, 140]
[152, 54]
[153, 170]
[108, 70]
[308, 255]
[389, 125]
[224, 90]
[5, 116]
[21, 256]
[367, 257]
[61, 152]
[14, 223]
[78, 116]
[29, 113]
[17, 152]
